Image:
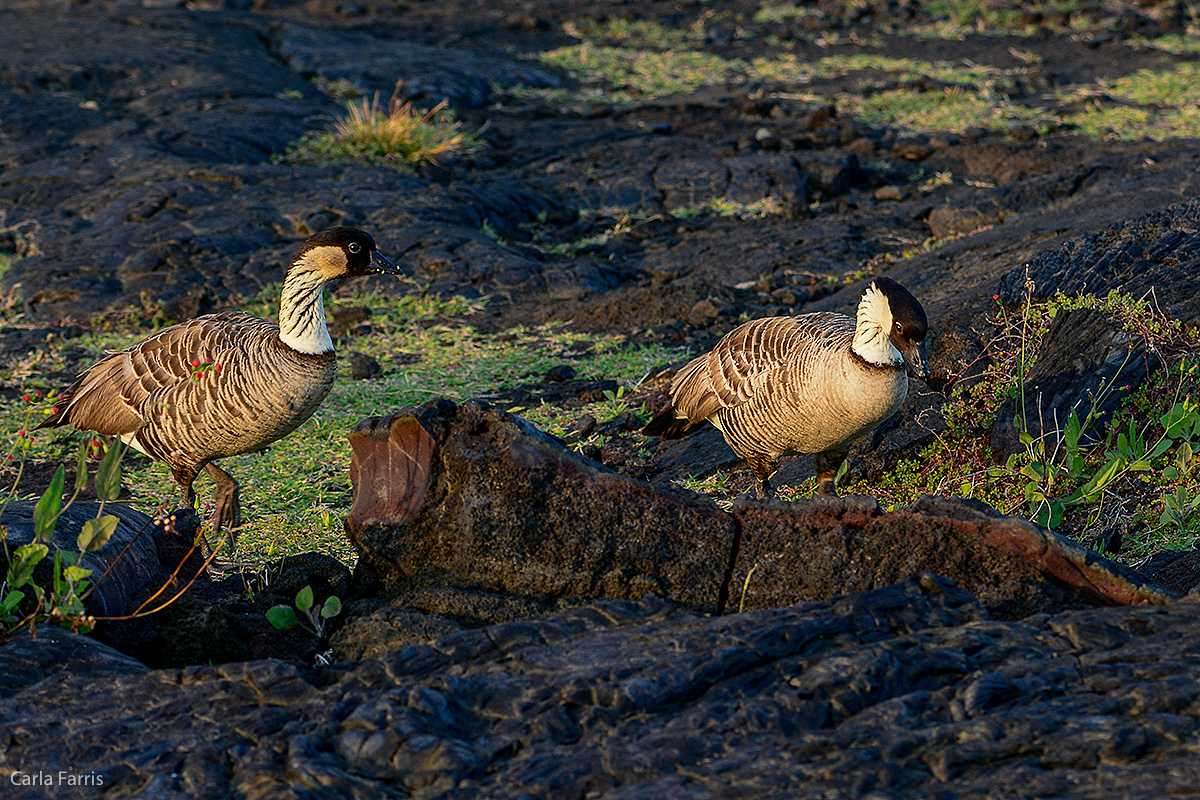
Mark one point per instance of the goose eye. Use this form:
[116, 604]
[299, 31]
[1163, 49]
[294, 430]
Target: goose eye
[354, 247]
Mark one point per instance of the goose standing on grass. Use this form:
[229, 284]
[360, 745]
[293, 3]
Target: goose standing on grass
[813, 383]
[224, 384]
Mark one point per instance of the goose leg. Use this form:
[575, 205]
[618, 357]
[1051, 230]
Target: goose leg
[185, 476]
[827, 464]
[228, 511]
[762, 467]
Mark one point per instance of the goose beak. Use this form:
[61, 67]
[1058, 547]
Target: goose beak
[380, 265]
[918, 362]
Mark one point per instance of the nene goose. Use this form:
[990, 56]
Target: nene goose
[224, 384]
[813, 383]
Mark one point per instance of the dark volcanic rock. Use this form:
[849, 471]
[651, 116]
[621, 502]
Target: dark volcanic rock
[905, 691]
[380, 66]
[824, 547]
[139, 557]
[1155, 256]
[143, 164]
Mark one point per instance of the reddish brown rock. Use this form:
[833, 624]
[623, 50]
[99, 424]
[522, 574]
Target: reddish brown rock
[473, 498]
[476, 498]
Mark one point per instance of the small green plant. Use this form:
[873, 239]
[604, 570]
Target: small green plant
[397, 135]
[62, 601]
[618, 404]
[313, 618]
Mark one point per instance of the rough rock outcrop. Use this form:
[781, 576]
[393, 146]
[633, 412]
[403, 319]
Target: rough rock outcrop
[474, 498]
[905, 691]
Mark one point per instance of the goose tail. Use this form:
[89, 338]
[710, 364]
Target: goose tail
[668, 425]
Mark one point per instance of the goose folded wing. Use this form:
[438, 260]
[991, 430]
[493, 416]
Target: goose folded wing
[759, 352]
[117, 395]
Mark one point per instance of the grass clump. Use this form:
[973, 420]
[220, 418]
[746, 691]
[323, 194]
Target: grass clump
[946, 110]
[397, 135]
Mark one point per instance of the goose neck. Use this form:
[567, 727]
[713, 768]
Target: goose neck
[302, 313]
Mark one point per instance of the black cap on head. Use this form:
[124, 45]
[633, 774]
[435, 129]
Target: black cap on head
[909, 325]
[906, 309]
[362, 256]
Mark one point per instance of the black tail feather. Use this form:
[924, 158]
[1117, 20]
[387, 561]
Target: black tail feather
[667, 425]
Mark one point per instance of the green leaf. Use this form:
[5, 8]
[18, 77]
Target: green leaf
[24, 559]
[1073, 432]
[1181, 416]
[59, 585]
[76, 574]
[108, 474]
[1078, 465]
[45, 513]
[10, 601]
[1183, 455]
[304, 599]
[282, 617]
[96, 533]
[332, 607]
[1034, 472]
[1160, 448]
[1100, 480]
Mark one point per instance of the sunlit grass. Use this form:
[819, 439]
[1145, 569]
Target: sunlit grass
[296, 494]
[949, 110]
[625, 75]
[1161, 105]
[397, 135]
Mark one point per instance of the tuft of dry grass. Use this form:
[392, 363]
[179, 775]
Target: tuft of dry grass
[398, 135]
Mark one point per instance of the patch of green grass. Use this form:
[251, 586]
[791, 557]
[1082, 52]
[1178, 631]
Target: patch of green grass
[948, 110]
[1159, 105]
[1180, 44]
[398, 136]
[625, 75]
[635, 34]
[781, 10]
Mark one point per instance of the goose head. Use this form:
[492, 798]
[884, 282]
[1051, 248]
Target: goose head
[341, 253]
[325, 256]
[891, 328]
